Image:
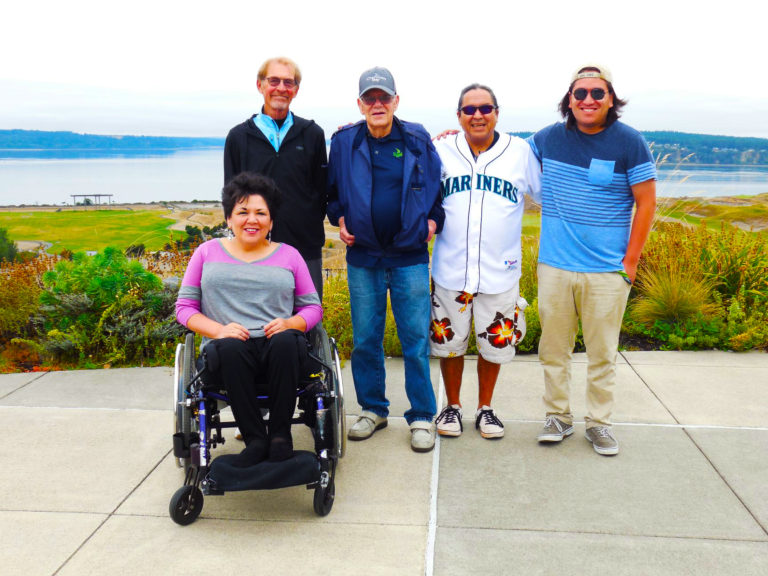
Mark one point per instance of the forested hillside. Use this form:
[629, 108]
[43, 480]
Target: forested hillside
[41, 140]
[704, 148]
[673, 146]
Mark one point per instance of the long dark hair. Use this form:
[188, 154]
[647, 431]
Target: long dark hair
[613, 114]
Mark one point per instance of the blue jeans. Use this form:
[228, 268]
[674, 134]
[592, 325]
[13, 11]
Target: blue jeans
[409, 293]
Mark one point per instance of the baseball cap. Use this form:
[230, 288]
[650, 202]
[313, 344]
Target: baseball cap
[604, 73]
[377, 77]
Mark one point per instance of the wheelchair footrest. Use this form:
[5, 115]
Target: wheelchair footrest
[302, 468]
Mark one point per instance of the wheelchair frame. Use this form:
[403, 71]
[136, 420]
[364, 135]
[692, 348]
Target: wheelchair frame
[198, 427]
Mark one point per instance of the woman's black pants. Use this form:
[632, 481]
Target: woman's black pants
[277, 364]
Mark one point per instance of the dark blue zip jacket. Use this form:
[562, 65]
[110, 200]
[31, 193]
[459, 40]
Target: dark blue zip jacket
[350, 189]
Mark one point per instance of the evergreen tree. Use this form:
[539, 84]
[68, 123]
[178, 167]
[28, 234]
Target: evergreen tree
[8, 248]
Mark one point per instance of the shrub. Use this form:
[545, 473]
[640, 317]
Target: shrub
[107, 309]
[533, 328]
[738, 263]
[337, 319]
[20, 289]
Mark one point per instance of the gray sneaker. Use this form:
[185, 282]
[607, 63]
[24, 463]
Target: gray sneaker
[367, 423]
[422, 436]
[602, 440]
[554, 430]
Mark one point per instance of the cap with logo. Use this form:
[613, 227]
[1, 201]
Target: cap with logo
[377, 77]
[598, 72]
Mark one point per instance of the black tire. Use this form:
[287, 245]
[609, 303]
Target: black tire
[323, 501]
[339, 414]
[182, 413]
[186, 505]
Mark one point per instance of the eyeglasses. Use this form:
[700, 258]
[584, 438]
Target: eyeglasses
[370, 100]
[287, 82]
[484, 109]
[581, 93]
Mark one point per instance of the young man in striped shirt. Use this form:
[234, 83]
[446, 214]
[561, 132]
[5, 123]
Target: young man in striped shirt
[595, 171]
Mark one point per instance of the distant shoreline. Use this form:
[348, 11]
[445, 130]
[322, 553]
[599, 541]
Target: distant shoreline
[672, 148]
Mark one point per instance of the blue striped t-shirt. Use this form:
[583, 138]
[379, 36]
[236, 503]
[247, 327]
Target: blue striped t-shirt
[587, 201]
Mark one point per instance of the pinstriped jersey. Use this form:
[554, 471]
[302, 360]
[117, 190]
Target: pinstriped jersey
[478, 249]
[587, 200]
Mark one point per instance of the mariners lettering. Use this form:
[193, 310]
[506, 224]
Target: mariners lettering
[456, 184]
[483, 183]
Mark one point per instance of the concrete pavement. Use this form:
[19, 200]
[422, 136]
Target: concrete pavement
[87, 475]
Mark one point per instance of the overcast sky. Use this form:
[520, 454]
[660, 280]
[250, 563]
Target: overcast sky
[188, 68]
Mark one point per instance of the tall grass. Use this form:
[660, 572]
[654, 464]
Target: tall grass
[702, 288]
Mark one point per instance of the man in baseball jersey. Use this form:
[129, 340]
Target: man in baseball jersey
[476, 259]
[595, 171]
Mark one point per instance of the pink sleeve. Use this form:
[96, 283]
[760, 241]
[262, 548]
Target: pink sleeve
[307, 299]
[188, 300]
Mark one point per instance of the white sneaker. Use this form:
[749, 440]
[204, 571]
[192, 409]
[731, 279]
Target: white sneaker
[449, 421]
[367, 423]
[422, 436]
[488, 424]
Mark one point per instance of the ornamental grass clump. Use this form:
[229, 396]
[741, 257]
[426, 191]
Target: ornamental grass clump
[673, 300]
[668, 291]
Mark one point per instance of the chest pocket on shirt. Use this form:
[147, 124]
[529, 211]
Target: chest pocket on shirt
[601, 172]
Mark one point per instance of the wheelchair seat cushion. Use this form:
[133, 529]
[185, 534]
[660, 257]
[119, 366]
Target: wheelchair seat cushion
[302, 468]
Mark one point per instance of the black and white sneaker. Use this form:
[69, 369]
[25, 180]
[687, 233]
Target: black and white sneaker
[488, 423]
[449, 421]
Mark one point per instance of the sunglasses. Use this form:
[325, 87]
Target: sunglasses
[484, 109]
[581, 93]
[287, 82]
[370, 100]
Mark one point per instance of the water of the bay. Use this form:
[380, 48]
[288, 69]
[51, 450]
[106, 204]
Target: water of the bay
[182, 176]
[198, 175]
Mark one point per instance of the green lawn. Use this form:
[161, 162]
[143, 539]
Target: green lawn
[90, 229]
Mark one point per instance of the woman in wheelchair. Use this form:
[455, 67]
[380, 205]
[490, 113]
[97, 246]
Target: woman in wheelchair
[252, 300]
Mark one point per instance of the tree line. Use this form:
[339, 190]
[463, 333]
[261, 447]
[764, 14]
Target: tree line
[674, 147]
[677, 147]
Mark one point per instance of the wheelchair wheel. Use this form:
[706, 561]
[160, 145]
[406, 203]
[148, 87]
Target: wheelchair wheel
[185, 361]
[339, 413]
[186, 505]
[323, 500]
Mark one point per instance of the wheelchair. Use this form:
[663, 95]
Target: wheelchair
[198, 428]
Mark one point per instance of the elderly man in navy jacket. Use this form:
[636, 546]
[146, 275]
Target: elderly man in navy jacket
[384, 195]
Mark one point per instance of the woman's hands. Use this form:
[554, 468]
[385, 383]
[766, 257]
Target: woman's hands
[212, 329]
[282, 324]
[233, 330]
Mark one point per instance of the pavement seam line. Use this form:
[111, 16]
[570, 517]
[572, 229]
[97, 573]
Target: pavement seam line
[648, 387]
[725, 481]
[111, 514]
[699, 448]
[23, 386]
[429, 554]
[607, 534]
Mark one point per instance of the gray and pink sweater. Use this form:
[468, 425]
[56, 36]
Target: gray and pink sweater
[226, 289]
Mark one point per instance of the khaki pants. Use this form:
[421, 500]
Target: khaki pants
[598, 300]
